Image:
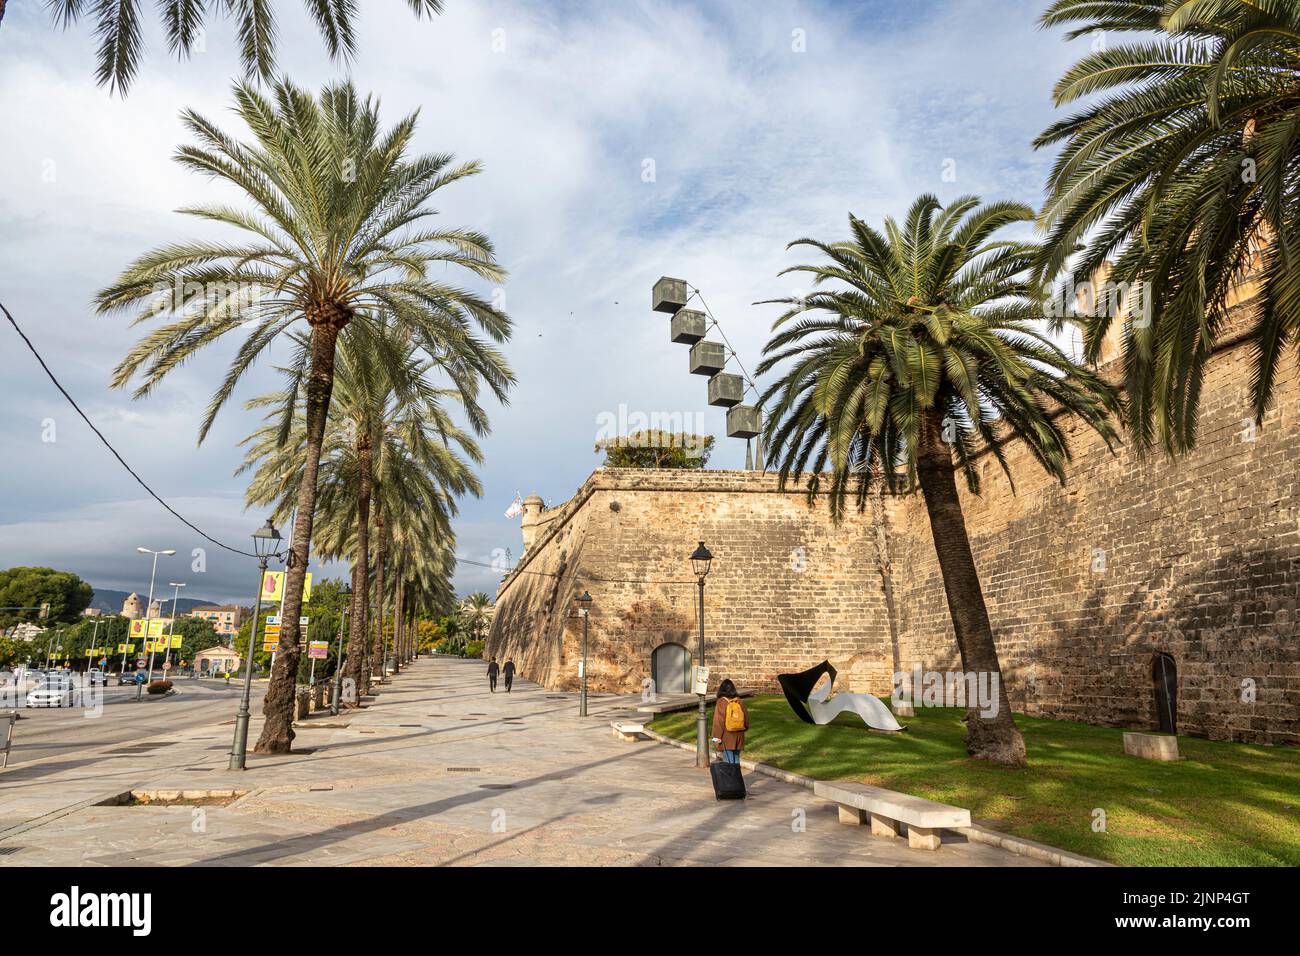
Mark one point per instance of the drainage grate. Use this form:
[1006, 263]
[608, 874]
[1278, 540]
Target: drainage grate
[496, 786]
[463, 769]
[199, 769]
[9, 850]
[410, 725]
[557, 696]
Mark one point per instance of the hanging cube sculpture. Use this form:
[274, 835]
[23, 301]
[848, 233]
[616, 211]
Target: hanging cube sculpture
[689, 326]
[708, 358]
[669, 295]
[742, 422]
[726, 390]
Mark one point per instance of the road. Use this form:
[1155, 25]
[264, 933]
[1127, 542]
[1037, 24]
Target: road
[50, 732]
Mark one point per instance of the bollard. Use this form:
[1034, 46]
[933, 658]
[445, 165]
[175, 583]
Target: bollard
[304, 703]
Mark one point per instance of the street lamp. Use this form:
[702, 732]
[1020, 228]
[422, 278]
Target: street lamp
[701, 561]
[266, 545]
[338, 655]
[148, 608]
[171, 628]
[584, 611]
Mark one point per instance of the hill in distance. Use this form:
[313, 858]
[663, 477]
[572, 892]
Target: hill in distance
[110, 602]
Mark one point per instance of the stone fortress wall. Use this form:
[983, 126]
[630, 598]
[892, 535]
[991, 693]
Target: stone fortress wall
[1197, 558]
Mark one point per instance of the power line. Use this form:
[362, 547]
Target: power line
[107, 444]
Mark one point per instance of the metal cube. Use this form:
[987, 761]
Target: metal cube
[669, 295]
[726, 390]
[689, 326]
[708, 358]
[742, 422]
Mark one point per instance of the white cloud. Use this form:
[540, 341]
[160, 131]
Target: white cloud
[753, 144]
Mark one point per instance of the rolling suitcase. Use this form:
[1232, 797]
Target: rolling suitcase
[728, 784]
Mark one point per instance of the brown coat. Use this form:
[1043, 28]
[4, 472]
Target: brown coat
[731, 739]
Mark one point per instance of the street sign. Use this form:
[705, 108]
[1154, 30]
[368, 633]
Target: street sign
[318, 650]
[274, 619]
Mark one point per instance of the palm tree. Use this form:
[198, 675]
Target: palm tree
[476, 612]
[335, 236]
[1183, 172]
[120, 29]
[388, 434]
[925, 357]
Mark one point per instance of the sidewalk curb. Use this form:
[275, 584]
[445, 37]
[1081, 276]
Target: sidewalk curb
[976, 834]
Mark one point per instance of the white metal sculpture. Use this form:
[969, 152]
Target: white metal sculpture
[870, 708]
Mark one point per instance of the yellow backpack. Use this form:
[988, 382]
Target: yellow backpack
[735, 719]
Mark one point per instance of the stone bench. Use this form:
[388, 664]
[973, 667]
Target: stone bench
[627, 730]
[887, 809]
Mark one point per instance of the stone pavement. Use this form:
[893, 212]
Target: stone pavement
[436, 770]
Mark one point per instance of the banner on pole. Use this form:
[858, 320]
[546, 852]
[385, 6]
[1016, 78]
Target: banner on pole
[273, 586]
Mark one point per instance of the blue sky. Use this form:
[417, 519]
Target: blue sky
[763, 121]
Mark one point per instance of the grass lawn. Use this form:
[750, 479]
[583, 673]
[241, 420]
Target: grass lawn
[1223, 804]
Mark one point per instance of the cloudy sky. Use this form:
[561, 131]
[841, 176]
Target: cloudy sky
[622, 140]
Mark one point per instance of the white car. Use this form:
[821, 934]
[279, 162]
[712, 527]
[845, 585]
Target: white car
[51, 693]
[95, 676]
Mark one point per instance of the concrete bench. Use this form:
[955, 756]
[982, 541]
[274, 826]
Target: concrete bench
[887, 809]
[627, 730]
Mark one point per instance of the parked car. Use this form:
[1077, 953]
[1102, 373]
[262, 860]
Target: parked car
[95, 676]
[126, 677]
[51, 692]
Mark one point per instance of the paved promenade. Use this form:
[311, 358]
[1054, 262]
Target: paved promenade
[435, 770]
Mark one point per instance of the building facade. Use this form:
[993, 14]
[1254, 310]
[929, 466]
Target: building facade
[225, 619]
[132, 607]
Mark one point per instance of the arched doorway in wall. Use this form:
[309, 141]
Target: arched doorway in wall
[670, 668]
[1164, 676]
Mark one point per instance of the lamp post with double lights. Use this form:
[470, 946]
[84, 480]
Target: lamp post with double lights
[701, 560]
[584, 612]
[266, 545]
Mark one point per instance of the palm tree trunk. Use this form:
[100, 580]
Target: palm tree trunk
[381, 559]
[398, 649]
[278, 706]
[994, 737]
[358, 650]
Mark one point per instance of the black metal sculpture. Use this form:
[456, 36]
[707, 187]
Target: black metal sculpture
[797, 687]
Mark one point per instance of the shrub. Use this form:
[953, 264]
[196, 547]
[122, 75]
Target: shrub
[473, 649]
[159, 687]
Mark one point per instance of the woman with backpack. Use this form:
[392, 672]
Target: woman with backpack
[730, 721]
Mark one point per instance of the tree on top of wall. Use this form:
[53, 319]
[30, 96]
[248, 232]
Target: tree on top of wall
[652, 448]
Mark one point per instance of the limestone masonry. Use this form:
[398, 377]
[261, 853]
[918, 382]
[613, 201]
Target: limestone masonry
[1087, 584]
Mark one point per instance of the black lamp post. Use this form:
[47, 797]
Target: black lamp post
[266, 545]
[584, 611]
[338, 655]
[701, 560]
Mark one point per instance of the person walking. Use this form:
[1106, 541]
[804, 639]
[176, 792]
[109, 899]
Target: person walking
[493, 670]
[730, 721]
[508, 672]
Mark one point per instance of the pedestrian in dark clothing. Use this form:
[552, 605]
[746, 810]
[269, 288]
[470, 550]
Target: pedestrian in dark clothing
[508, 672]
[493, 669]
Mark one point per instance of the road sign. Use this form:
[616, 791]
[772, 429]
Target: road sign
[274, 619]
[318, 650]
[272, 630]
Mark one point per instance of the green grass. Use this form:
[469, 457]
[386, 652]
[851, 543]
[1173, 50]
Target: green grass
[1223, 804]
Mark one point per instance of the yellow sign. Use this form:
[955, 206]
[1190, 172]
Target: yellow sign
[157, 627]
[176, 641]
[125, 648]
[273, 586]
[272, 630]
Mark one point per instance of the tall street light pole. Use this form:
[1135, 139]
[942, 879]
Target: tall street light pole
[148, 608]
[701, 560]
[584, 611]
[266, 545]
[171, 629]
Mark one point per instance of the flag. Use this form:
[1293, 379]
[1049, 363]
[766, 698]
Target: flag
[516, 508]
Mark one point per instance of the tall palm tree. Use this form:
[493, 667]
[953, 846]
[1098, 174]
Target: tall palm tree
[335, 235]
[1184, 170]
[926, 355]
[120, 28]
[387, 434]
